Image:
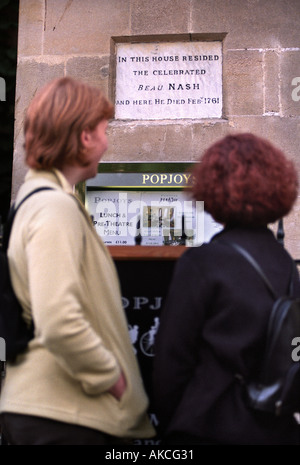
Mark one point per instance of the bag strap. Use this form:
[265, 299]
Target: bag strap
[258, 269]
[12, 213]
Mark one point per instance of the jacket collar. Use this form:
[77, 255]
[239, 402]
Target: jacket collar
[53, 176]
[236, 232]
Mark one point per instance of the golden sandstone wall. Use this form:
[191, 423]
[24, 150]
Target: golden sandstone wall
[261, 61]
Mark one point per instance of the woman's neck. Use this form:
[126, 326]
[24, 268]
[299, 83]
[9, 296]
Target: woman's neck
[73, 174]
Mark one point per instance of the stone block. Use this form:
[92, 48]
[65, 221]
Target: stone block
[249, 23]
[93, 70]
[160, 17]
[143, 142]
[271, 81]
[74, 27]
[31, 25]
[282, 132]
[206, 133]
[135, 142]
[177, 142]
[243, 83]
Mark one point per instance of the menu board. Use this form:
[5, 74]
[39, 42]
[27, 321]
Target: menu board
[161, 217]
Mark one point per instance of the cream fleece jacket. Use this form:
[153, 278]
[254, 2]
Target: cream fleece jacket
[66, 280]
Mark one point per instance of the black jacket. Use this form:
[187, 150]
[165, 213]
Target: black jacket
[213, 326]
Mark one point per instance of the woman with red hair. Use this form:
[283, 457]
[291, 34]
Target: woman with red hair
[214, 321]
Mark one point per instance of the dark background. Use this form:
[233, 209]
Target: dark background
[9, 10]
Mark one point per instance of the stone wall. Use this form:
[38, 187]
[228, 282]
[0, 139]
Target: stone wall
[261, 56]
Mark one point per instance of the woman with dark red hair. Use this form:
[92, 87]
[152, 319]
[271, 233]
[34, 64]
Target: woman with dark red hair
[214, 321]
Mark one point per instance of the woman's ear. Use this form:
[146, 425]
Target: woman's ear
[86, 138]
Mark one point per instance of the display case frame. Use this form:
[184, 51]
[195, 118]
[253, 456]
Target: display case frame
[152, 179]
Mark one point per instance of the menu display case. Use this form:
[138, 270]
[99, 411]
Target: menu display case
[147, 204]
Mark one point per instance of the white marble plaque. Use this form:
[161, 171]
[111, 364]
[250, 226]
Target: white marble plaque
[175, 80]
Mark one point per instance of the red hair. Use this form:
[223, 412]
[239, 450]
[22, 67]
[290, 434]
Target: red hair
[245, 180]
[56, 118]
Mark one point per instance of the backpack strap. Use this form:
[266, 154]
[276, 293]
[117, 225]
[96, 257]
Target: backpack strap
[12, 213]
[258, 269]
[255, 265]
[293, 273]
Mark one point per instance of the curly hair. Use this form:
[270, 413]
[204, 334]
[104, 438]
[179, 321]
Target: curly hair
[244, 180]
[55, 119]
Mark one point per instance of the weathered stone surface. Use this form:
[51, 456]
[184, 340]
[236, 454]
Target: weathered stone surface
[93, 70]
[243, 83]
[73, 27]
[140, 142]
[249, 23]
[160, 17]
[282, 132]
[271, 80]
[31, 25]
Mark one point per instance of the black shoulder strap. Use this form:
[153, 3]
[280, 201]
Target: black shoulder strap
[256, 266]
[12, 213]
